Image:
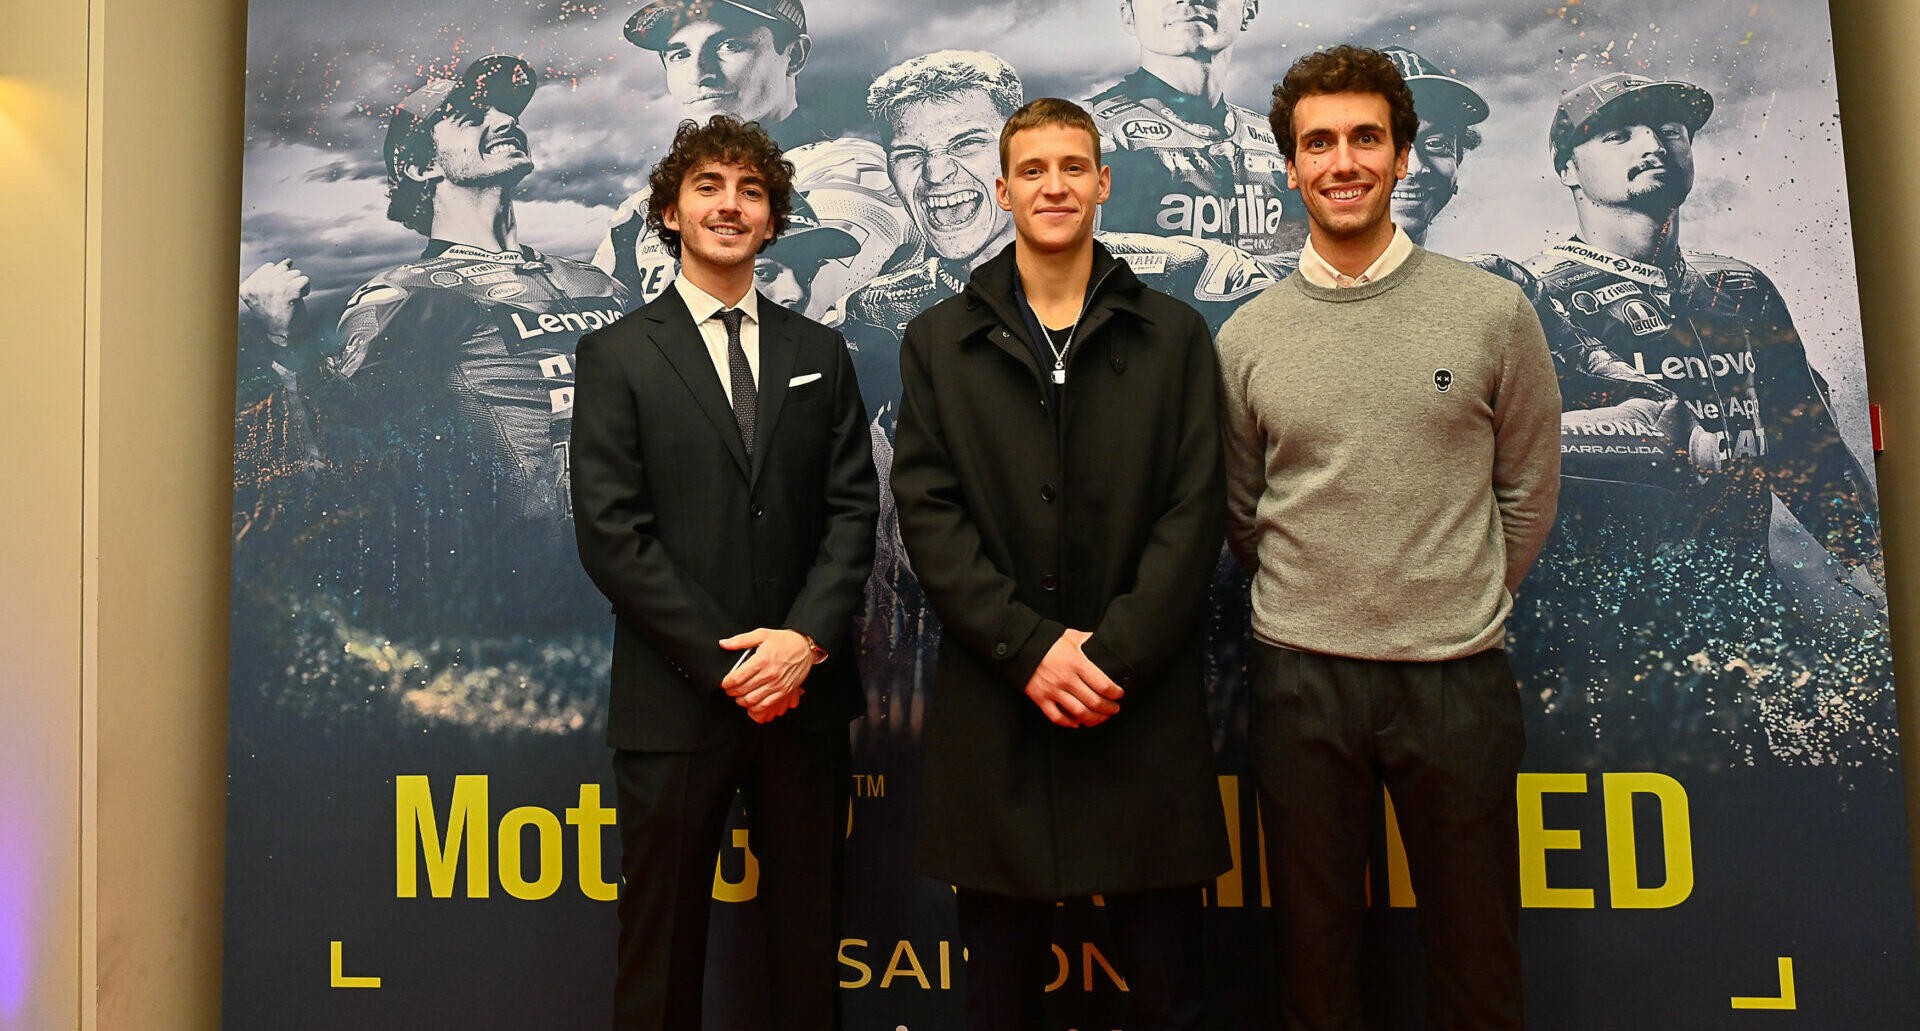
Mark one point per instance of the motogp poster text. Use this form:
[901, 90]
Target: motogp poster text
[420, 812]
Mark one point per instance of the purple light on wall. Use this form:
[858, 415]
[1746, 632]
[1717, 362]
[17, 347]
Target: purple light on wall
[17, 892]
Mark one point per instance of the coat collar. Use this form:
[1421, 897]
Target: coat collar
[990, 304]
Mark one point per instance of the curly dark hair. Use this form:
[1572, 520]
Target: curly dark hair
[723, 140]
[1343, 69]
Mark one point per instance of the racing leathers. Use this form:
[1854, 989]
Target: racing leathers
[1708, 395]
[444, 415]
[1658, 612]
[1184, 167]
[1576, 354]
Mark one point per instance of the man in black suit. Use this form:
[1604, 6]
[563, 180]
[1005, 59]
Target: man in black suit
[724, 501]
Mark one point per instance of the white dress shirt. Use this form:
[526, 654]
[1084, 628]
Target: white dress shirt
[706, 314]
[1315, 269]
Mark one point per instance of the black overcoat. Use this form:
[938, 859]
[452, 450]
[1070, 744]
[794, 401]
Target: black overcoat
[1021, 520]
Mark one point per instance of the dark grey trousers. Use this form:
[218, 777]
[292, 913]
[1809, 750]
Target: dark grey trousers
[1445, 738]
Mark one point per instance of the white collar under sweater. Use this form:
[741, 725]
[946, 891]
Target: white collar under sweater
[1315, 269]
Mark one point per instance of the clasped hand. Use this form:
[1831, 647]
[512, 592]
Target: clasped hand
[1069, 688]
[768, 683]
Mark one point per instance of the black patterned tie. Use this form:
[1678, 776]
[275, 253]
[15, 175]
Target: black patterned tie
[746, 400]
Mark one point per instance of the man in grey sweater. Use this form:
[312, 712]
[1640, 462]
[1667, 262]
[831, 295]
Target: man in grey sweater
[1392, 462]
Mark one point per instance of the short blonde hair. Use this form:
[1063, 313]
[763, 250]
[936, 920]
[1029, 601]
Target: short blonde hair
[938, 77]
[1045, 111]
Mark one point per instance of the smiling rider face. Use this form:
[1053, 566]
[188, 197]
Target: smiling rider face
[1433, 170]
[483, 147]
[723, 214]
[1053, 186]
[943, 158]
[1345, 166]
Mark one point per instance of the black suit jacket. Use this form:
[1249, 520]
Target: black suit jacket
[692, 542]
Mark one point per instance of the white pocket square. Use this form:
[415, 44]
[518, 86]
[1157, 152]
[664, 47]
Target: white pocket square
[798, 381]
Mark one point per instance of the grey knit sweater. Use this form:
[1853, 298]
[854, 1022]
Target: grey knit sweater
[1393, 458]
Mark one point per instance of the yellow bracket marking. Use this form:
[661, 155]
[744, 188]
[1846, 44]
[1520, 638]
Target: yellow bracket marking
[341, 980]
[1783, 1001]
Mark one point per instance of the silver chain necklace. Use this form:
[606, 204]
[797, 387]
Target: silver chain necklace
[1059, 352]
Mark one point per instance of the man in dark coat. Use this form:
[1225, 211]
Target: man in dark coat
[1059, 480]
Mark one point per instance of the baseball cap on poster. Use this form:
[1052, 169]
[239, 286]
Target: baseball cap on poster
[1429, 83]
[655, 22]
[496, 81]
[1612, 99]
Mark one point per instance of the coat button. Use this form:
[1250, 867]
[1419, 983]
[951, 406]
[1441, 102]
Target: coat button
[756, 511]
[1046, 492]
[1119, 364]
[1000, 650]
[1049, 582]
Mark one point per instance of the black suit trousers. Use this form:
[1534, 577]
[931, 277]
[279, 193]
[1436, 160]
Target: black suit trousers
[673, 808]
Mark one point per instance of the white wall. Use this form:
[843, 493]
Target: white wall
[43, 136]
[119, 180]
[1874, 43]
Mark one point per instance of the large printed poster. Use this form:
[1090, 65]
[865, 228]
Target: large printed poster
[420, 803]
